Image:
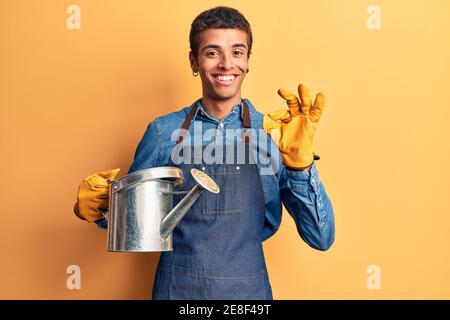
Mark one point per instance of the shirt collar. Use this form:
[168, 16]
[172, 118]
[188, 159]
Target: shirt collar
[235, 111]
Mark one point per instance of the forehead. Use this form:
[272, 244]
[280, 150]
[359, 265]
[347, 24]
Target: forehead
[222, 37]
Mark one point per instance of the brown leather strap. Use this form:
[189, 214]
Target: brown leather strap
[246, 116]
[246, 122]
[186, 124]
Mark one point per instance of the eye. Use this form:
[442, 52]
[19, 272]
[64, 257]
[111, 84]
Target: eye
[238, 53]
[212, 53]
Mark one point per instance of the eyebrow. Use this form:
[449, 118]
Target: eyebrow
[215, 46]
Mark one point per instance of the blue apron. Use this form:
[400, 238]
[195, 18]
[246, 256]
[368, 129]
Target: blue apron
[217, 249]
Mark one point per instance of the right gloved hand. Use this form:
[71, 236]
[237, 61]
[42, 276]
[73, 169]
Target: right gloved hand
[297, 125]
[93, 195]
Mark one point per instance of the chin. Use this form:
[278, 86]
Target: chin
[221, 95]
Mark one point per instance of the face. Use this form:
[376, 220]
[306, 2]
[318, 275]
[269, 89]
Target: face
[222, 63]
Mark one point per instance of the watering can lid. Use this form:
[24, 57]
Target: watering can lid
[205, 181]
[170, 174]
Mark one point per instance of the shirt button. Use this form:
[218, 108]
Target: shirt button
[221, 124]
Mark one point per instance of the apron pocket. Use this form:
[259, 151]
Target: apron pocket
[245, 288]
[228, 200]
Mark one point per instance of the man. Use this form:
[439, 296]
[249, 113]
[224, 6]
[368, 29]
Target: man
[218, 244]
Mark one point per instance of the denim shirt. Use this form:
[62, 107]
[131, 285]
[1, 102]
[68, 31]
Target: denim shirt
[302, 193]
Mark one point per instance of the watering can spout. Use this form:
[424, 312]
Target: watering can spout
[171, 220]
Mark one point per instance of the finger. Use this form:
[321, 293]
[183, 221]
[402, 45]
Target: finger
[270, 124]
[318, 107]
[291, 100]
[97, 182]
[305, 98]
[109, 174]
[76, 210]
[282, 115]
[273, 128]
[104, 205]
[103, 195]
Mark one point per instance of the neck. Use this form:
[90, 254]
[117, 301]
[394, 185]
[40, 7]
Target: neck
[220, 108]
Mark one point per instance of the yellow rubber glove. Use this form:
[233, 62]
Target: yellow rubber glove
[293, 129]
[93, 194]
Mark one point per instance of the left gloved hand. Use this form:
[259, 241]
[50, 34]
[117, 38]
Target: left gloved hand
[93, 195]
[293, 130]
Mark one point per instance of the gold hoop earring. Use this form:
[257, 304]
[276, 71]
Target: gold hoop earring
[195, 73]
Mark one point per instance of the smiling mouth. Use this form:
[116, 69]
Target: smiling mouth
[224, 79]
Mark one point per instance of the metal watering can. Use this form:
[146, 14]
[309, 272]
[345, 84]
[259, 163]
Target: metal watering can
[142, 215]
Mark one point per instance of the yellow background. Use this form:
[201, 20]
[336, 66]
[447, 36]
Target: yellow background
[74, 102]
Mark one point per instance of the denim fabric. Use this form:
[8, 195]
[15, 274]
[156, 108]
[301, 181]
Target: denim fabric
[217, 250]
[302, 193]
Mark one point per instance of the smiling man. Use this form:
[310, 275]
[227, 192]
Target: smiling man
[217, 246]
[221, 58]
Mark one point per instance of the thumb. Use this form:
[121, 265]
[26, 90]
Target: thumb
[269, 124]
[282, 115]
[272, 128]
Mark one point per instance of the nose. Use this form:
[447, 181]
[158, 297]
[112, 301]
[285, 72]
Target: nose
[225, 62]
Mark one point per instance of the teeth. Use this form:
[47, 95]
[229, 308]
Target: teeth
[225, 78]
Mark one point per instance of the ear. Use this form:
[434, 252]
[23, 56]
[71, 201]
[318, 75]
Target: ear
[193, 61]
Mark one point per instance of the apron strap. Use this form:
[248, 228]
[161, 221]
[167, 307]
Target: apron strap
[186, 124]
[246, 123]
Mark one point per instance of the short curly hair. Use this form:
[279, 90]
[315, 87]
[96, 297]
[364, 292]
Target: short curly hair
[219, 18]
